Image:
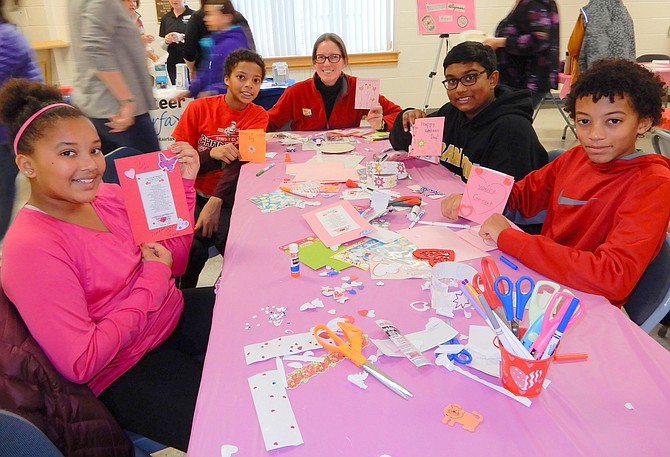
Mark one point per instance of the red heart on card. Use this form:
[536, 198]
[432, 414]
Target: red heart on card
[465, 210]
[435, 255]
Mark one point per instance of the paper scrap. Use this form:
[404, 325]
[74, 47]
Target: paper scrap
[284, 345]
[273, 408]
[437, 331]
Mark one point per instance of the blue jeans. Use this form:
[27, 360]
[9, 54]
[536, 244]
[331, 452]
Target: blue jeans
[8, 172]
[141, 135]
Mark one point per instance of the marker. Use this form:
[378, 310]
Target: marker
[556, 337]
[508, 262]
[413, 212]
[295, 259]
[466, 288]
[417, 218]
[266, 169]
[445, 224]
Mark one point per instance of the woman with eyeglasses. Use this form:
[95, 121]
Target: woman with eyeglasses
[485, 123]
[326, 101]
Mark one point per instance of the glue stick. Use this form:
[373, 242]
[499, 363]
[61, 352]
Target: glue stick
[295, 259]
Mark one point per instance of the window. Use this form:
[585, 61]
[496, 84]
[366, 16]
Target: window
[290, 27]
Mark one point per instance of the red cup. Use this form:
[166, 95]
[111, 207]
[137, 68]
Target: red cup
[521, 376]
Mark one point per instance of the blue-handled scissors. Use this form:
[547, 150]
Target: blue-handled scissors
[463, 356]
[514, 309]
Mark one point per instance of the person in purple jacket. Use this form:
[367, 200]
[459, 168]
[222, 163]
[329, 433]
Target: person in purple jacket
[17, 60]
[226, 37]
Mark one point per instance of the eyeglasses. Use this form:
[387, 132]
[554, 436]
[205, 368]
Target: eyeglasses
[333, 58]
[467, 80]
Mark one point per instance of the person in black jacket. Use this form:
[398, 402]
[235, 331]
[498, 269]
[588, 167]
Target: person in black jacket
[197, 30]
[484, 123]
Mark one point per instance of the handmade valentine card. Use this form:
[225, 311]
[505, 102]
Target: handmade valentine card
[485, 194]
[154, 195]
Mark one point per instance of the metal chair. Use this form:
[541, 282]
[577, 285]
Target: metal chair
[651, 57]
[649, 302]
[660, 140]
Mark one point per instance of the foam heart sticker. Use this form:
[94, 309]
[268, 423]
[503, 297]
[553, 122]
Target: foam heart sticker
[130, 173]
[435, 255]
[383, 269]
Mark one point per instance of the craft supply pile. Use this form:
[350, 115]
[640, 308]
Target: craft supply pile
[373, 225]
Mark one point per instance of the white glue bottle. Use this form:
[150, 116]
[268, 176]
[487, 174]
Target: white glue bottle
[295, 260]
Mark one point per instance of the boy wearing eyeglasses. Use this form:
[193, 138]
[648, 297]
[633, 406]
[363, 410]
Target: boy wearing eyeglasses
[326, 101]
[485, 123]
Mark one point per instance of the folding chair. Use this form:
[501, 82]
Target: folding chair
[660, 140]
[650, 300]
[19, 437]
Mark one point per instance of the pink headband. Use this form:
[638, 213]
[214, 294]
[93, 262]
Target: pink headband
[30, 120]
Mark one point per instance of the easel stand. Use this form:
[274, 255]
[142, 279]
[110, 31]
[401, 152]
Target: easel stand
[444, 40]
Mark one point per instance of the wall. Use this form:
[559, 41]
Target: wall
[405, 83]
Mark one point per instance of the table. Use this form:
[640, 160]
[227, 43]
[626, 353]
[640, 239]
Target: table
[582, 413]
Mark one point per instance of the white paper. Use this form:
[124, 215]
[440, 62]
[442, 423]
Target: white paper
[275, 415]
[284, 345]
[437, 332]
[159, 209]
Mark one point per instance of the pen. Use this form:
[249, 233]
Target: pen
[417, 218]
[445, 224]
[508, 262]
[556, 337]
[471, 298]
[266, 169]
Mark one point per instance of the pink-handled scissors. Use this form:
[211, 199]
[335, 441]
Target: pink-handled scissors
[552, 317]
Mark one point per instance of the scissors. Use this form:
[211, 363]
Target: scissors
[483, 282]
[463, 356]
[406, 201]
[514, 309]
[352, 348]
[550, 320]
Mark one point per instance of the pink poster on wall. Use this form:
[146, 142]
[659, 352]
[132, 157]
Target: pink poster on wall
[441, 16]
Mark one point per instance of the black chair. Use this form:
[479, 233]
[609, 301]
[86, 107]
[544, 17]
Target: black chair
[650, 301]
[110, 175]
[20, 438]
[650, 57]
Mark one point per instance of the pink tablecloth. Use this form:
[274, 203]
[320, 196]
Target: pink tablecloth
[582, 413]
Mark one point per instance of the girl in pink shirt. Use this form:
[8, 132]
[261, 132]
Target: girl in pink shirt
[105, 311]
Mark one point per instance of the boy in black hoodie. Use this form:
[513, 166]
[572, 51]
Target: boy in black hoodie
[485, 124]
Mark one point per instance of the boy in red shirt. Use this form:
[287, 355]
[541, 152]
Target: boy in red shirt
[607, 203]
[211, 125]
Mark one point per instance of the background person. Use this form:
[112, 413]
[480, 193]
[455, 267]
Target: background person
[173, 30]
[17, 60]
[527, 47]
[113, 87]
[326, 101]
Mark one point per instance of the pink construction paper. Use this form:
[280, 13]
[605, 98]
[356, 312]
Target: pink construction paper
[367, 93]
[321, 172]
[338, 223]
[153, 192]
[427, 137]
[485, 194]
[435, 237]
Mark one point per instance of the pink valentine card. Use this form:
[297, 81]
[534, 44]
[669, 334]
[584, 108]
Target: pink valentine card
[154, 195]
[338, 223]
[427, 137]
[367, 93]
[485, 194]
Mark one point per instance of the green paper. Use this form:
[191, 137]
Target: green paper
[316, 255]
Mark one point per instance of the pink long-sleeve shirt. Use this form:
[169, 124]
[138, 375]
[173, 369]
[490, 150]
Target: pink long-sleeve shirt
[86, 296]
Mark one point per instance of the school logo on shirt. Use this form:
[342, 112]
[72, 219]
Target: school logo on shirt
[307, 112]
